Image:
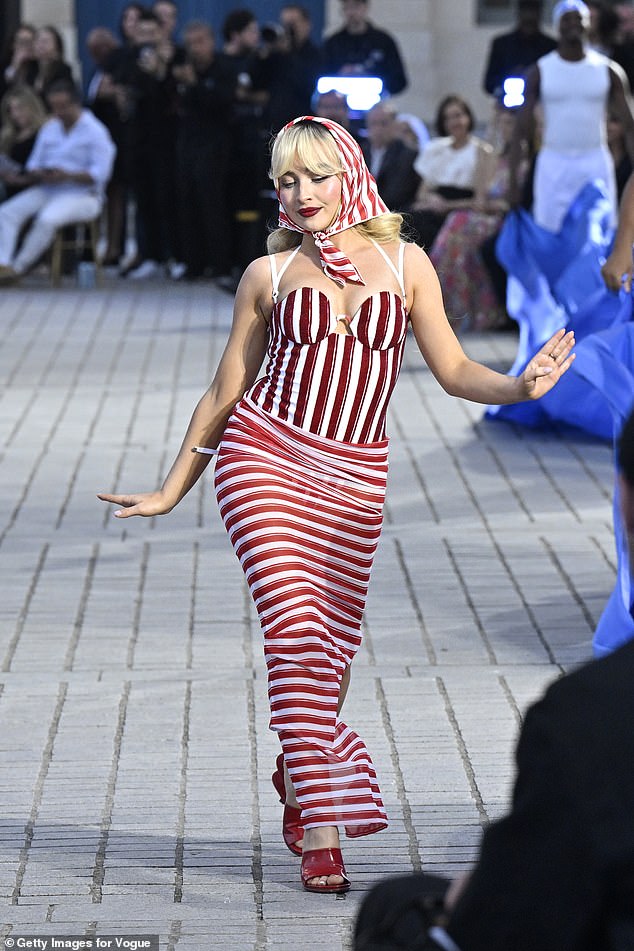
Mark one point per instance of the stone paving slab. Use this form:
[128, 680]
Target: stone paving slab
[135, 757]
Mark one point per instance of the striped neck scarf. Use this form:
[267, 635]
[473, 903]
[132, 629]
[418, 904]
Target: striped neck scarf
[360, 201]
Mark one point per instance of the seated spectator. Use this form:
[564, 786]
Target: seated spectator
[334, 105]
[67, 173]
[390, 161]
[412, 131]
[22, 114]
[16, 62]
[48, 66]
[557, 872]
[453, 168]
[470, 299]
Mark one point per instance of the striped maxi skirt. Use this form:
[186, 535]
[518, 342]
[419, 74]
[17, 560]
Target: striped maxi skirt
[304, 516]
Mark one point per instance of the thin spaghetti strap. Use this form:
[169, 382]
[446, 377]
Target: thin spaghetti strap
[399, 273]
[276, 276]
[401, 269]
[275, 280]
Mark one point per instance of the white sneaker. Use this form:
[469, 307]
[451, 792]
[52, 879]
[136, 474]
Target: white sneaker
[176, 269]
[144, 270]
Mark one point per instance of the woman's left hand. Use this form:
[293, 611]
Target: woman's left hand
[548, 365]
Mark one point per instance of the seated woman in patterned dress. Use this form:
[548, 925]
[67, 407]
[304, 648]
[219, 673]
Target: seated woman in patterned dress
[469, 296]
[302, 459]
[454, 168]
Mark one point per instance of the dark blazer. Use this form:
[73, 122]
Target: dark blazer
[397, 179]
[510, 54]
[557, 874]
[374, 52]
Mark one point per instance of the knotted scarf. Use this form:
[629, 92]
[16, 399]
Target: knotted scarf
[360, 201]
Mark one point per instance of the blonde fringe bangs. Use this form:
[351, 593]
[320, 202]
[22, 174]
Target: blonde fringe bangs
[313, 147]
[310, 145]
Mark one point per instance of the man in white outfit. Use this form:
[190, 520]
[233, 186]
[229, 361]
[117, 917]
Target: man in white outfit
[68, 170]
[575, 86]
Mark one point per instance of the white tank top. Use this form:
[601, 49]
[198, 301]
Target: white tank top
[574, 97]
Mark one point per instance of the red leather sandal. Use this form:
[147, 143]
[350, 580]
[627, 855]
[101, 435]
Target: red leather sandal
[292, 828]
[318, 862]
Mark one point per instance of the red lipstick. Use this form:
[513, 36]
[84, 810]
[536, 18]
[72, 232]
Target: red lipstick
[308, 212]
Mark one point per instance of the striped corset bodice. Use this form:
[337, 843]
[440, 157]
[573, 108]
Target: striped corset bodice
[333, 384]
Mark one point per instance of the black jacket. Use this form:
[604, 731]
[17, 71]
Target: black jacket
[510, 54]
[397, 179]
[558, 872]
[374, 51]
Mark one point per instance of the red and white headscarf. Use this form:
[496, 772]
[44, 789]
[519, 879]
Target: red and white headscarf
[360, 201]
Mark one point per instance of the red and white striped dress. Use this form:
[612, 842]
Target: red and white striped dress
[300, 481]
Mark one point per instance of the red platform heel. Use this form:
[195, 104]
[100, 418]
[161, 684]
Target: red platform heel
[292, 829]
[318, 862]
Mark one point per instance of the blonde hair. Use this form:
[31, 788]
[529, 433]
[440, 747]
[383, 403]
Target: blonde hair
[26, 96]
[311, 145]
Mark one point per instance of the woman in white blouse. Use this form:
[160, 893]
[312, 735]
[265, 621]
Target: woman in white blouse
[456, 169]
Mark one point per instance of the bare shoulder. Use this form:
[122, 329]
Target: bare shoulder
[415, 257]
[419, 271]
[483, 146]
[258, 272]
[254, 289]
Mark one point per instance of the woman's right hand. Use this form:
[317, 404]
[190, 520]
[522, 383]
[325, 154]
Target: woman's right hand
[145, 504]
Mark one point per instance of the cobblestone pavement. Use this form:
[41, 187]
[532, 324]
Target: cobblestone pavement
[136, 756]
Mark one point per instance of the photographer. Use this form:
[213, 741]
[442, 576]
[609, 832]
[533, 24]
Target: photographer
[296, 63]
[205, 91]
[146, 98]
[241, 57]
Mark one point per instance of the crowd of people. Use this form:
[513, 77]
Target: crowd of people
[191, 115]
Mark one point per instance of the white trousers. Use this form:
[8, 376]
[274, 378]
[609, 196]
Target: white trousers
[560, 176]
[50, 209]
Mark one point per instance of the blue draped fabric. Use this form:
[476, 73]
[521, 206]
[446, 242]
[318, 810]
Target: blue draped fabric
[555, 281]
[605, 362]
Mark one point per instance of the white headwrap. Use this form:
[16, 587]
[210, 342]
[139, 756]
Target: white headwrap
[417, 126]
[566, 6]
